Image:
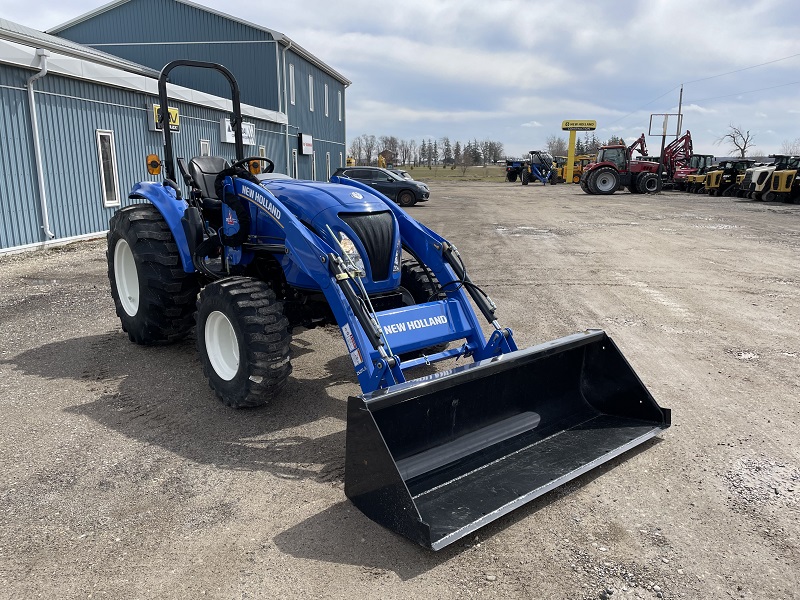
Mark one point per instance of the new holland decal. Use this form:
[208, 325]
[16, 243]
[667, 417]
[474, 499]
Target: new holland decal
[415, 324]
[262, 201]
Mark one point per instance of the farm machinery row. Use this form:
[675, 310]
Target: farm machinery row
[244, 261]
[745, 178]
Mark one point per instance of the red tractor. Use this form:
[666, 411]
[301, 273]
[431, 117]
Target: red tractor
[615, 168]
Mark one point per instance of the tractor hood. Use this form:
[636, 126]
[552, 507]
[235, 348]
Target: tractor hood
[307, 199]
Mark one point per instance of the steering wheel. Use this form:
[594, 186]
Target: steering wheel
[270, 165]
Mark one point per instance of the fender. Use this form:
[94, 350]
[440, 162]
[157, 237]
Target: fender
[171, 208]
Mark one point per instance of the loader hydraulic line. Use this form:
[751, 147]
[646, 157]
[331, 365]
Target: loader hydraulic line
[341, 276]
[484, 303]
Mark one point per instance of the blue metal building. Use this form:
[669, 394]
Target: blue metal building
[77, 124]
[273, 71]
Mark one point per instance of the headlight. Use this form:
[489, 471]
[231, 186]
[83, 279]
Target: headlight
[350, 250]
[397, 256]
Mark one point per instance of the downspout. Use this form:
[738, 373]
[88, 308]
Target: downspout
[286, 106]
[37, 150]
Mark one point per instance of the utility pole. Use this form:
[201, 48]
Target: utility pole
[680, 117]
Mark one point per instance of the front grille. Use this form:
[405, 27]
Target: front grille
[376, 232]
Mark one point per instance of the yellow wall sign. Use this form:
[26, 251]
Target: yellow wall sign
[578, 125]
[174, 119]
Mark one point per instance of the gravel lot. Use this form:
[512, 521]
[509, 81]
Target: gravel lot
[122, 476]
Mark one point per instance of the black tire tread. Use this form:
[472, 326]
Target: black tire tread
[266, 340]
[417, 279]
[167, 293]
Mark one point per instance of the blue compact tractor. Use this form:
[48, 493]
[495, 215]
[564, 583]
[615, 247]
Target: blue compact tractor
[244, 261]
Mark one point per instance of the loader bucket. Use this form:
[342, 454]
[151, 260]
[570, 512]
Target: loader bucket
[436, 458]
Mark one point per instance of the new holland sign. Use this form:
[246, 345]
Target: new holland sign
[174, 119]
[579, 125]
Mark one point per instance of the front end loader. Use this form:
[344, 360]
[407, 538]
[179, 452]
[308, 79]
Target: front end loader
[433, 458]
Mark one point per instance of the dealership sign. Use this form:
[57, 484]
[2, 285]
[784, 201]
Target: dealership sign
[227, 135]
[306, 143]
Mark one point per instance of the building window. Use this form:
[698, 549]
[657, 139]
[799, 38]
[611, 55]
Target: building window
[314, 166]
[291, 83]
[294, 163]
[108, 167]
[311, 93]
[205, 148]
[327, 166]
[326, 99]
[340, 106]
[341, 160]
[262, 151]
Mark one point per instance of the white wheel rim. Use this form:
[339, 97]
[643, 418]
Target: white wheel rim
[222, 345]
[604, 183]
[126, 277]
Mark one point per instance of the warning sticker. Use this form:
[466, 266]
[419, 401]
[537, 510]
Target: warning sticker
[349, 338]
[356, 356]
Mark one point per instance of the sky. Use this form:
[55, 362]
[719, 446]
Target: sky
[513, 70]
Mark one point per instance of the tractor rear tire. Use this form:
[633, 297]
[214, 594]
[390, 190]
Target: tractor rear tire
[243, 340]
[648, 183]
[511, 177]
[604, 181]
[526, 177]
[585, 186]
[153, 296]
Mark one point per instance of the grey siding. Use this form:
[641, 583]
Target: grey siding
[181, 31]
[155, 32]
[70, 112]
[19, 208]
[328, 132]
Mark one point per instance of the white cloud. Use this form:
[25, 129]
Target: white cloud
[501, 70]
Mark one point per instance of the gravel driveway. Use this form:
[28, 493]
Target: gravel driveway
[124, 477]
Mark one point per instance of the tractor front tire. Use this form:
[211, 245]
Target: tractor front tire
[243, 341]
[604, 181]
[526, 177]
[648, 183]
[423, 286]
[153, 296]
[511, 177]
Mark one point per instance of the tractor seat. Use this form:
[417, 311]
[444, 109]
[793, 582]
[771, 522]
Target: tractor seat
[204, 170]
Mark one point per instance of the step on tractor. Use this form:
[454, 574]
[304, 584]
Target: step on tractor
[785, 183]
[722, 179]
[245, 260]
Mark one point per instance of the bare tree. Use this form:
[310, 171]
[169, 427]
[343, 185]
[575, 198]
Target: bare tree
[556, 146]
[356, 149]
[412, 149]
[738, 140]
[368, 143]
[466, 159]
[791, 148]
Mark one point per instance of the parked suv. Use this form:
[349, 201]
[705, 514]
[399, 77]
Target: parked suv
[406, 192]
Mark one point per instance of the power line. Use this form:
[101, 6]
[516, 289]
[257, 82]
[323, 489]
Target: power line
[740, 93]
[743, 69]
[714, 77]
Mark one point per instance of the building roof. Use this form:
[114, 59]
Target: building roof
[18, 47]
[276, 35]
[14, 32]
